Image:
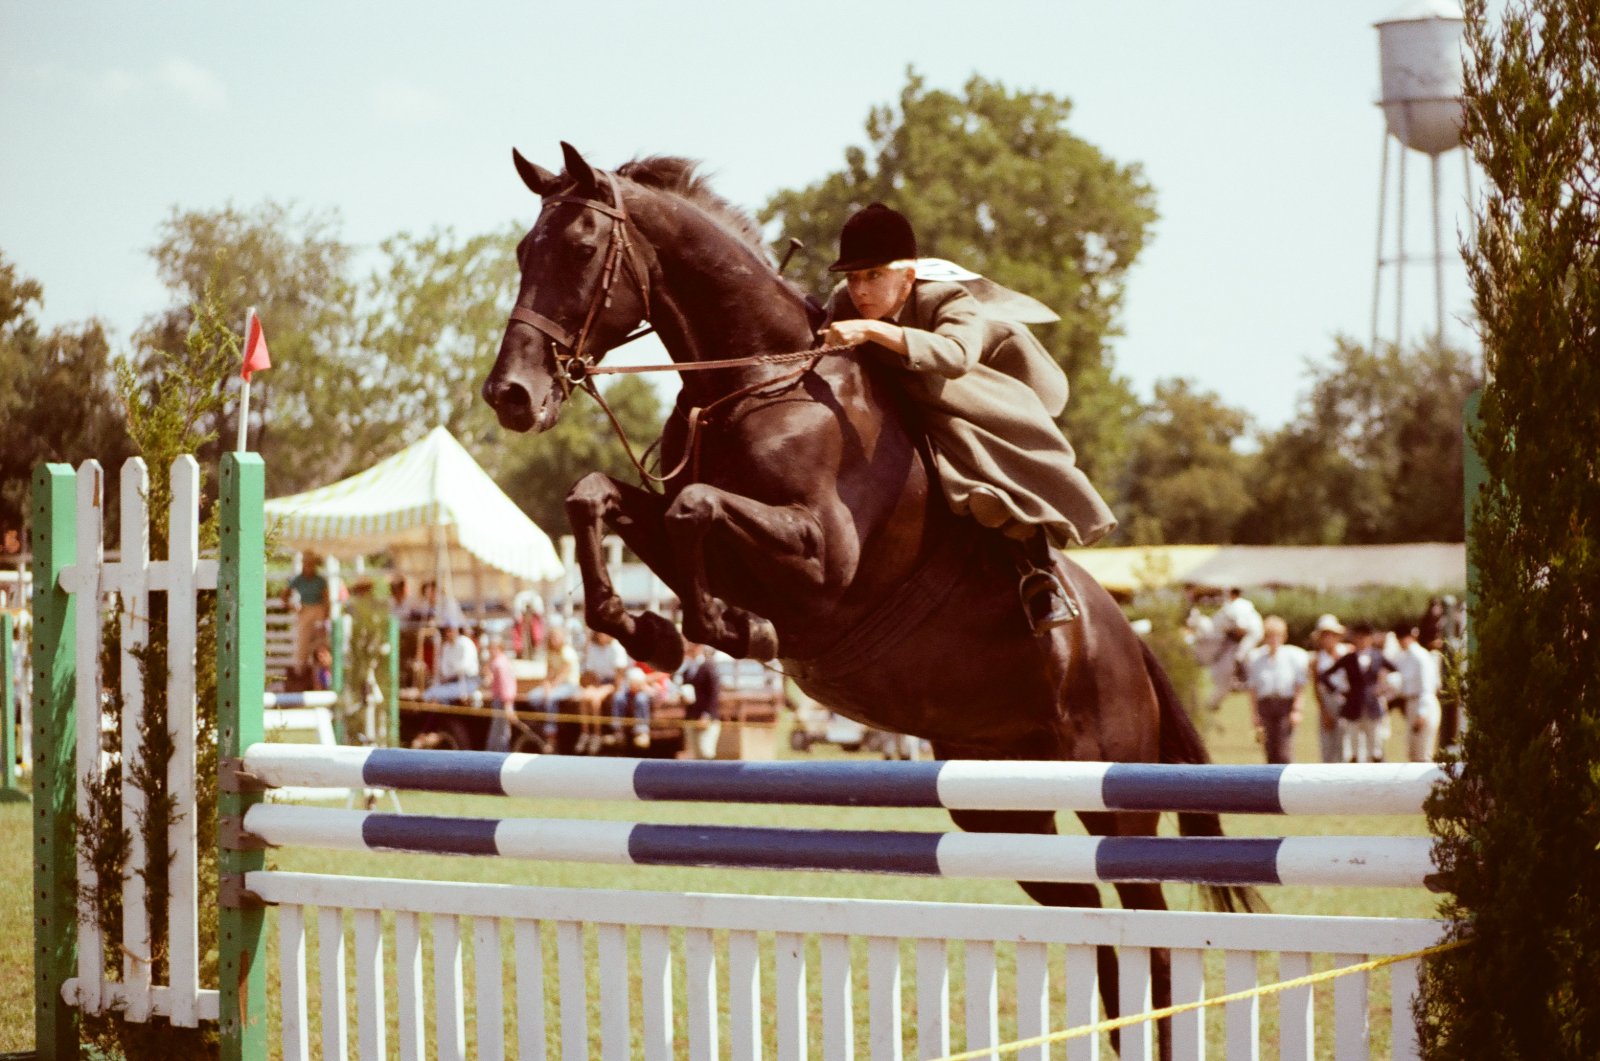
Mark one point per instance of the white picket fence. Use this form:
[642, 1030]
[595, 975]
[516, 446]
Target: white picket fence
[792, 965]
[671, 944]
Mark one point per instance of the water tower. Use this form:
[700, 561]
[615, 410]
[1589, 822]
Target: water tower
[1419, 53]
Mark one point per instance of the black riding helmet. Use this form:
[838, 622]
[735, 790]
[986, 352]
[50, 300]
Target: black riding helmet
[874, 235]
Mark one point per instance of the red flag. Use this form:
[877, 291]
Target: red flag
[255, 348]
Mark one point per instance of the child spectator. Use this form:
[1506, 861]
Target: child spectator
[502, 696]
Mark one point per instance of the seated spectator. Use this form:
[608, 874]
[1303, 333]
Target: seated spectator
[632, 700]
[560, 679]
[604, 661]
[458, 668]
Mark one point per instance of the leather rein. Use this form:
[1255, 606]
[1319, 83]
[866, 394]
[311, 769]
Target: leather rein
[575, 370]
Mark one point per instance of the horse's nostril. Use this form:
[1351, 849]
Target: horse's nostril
[507, 394]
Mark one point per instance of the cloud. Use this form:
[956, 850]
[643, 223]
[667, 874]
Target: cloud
[115, 83]
[203, 89]
[402, 103]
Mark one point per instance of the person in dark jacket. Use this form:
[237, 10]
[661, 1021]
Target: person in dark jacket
[1363, 713]
[700, 674]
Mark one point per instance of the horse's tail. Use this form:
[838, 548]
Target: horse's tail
[1181, 743]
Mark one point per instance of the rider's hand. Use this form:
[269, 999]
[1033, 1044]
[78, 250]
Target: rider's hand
[851, 333]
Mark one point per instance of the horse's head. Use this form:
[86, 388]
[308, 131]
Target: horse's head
[573, 303]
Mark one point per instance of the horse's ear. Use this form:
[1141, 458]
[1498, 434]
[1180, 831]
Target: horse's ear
[540, 181]
[577, 168]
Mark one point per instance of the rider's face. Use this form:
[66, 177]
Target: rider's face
[880, 291]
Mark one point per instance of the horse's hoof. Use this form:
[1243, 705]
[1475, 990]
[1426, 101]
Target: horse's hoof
[657, 642]
[763, 643]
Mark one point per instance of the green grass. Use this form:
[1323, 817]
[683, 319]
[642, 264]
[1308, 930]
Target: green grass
[1229, 737]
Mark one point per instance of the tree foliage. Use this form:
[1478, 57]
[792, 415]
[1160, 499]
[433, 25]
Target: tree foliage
[292, 266]
[57, 402]
[1186, 479]
[1372, 455]
[1519, 830]
[994, 180]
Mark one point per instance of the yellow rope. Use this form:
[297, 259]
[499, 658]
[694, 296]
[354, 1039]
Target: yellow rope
[1168, 1011]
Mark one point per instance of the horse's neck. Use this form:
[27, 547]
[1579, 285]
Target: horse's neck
[717, 298]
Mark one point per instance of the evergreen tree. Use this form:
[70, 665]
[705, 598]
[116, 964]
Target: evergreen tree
[1519, 831]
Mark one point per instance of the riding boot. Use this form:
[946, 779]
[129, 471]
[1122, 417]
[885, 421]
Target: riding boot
[1044, 598]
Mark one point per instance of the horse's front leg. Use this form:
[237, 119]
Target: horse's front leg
[594, 504]
[782, 542]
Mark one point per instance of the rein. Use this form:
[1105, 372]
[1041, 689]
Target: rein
[574, 370]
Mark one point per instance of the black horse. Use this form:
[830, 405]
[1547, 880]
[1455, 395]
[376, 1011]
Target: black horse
[804, 521]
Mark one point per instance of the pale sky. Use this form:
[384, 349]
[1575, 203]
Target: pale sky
[1255, 123]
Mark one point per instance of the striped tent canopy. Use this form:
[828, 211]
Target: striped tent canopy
[426, 506]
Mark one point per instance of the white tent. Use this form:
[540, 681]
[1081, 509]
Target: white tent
[435, 511]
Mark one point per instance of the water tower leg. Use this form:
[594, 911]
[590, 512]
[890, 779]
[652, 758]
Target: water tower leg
[1400, 256]
[1438, 254]
[1377, 268]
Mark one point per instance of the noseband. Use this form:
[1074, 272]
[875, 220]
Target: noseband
[573, 364]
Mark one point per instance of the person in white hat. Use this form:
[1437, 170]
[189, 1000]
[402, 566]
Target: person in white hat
[1327, 644]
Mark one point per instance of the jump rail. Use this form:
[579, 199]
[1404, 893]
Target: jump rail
[1397, 788]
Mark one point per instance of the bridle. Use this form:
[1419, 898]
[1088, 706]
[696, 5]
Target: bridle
[573, 366]
[575, 369]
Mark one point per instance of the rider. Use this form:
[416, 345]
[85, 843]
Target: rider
[988, 392]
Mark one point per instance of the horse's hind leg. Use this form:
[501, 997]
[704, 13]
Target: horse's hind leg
[1051, 893]
[1141, 896]
[598, 501]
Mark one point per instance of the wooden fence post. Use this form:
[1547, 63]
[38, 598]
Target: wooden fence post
[55, 922]
[9, 792]
[241, 685]
[391, 695]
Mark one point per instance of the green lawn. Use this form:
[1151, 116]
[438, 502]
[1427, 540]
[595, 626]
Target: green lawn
[1230, 740]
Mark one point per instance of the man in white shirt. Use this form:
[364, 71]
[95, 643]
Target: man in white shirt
[1274, 676]
[458, 667]
[1241, 624]
[1419, 690]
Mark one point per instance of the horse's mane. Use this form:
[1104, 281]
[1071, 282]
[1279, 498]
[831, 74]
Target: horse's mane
[671, 173]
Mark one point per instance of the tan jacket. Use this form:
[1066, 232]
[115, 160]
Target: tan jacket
[989, 394]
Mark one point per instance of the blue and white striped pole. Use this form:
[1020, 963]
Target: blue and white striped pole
[1398, 788]
[1344, 861]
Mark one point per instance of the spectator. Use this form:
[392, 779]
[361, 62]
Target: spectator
[560, 679]
[1362, 718]
[458, 668]
[527, 632]
[322, 671]
[604, 661]
[1241, 624]
[502, 696]
[632, 699]
[1274, 676]
[306, 596]
[700, 687]
[1430, 628]
[699, 673]
[1328, 642]
[1419, 694]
